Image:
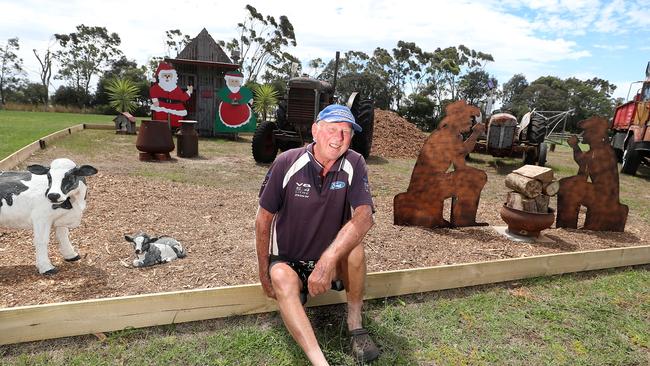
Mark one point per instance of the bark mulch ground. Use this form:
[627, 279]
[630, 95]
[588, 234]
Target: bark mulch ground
[215, 223]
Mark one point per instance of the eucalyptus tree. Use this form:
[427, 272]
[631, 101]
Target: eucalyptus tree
[11, 67]
[45, 73]
[84, 54]
[262, 41]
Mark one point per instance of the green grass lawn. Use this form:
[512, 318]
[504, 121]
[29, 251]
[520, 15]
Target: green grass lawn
[18, 129]
[594, 318]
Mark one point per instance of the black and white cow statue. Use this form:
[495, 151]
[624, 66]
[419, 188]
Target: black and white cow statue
[42, 198]
[154, 250]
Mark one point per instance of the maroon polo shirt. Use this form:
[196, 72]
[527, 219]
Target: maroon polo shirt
[310, 210]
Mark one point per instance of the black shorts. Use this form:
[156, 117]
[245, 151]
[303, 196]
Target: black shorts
[302, 268]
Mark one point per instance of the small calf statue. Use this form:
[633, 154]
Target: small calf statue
[154, 250]
[42, 198]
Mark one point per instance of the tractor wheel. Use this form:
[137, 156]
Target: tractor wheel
[530, 155]
[542, 150]
[631, 159]
[264, 146]
[281, 115]
[364, 114]
[537, 130]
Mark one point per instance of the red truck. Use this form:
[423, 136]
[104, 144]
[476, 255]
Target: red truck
[630, 128]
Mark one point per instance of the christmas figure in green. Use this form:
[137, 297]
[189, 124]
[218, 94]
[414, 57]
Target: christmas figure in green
[235, 113]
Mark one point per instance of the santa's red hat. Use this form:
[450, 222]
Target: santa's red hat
[234, 74]
[163, 66]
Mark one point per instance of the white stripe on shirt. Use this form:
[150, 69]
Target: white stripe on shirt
[295, 168]
[347, 167]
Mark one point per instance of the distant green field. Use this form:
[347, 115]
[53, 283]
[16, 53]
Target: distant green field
[18, 129]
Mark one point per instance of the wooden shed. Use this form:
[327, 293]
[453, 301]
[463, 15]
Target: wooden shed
[203, 64]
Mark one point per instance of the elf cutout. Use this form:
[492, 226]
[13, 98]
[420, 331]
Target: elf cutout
[235, 113]
[167, 98]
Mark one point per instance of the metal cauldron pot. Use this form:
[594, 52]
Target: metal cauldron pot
[154, 140]
[526, 223]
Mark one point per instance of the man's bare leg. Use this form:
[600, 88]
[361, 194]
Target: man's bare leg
[353, 274]
[286, 285]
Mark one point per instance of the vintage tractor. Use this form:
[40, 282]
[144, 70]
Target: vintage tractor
[630, 131]
[296, 113]
[527, 139]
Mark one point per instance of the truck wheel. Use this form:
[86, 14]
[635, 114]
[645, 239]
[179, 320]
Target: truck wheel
[264, 147]
[631, 159]
[541, 154]
[537, 130]
[364, 114]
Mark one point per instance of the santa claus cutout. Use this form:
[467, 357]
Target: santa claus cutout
[167, 98]
[235, 113]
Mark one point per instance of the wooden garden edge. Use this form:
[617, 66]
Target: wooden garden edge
[11, 161]
[38, 322]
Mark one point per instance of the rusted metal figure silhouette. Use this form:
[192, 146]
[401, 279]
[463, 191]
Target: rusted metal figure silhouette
[601, 195]
[432, 181]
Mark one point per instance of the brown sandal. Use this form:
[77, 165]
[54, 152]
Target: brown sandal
[362, 346]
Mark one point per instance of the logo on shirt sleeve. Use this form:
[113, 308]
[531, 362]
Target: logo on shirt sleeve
[266, 179]
[337, 185]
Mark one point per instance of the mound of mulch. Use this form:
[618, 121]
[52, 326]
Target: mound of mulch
[395, 137]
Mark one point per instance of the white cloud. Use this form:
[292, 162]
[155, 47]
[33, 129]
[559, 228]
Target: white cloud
[609, 47]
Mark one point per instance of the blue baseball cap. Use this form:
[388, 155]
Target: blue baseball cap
[338, 113]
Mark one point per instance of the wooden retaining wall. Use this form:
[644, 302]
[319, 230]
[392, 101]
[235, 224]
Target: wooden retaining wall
[13, 160]
[30, 323]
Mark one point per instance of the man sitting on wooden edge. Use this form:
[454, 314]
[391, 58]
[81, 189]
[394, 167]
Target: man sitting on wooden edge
[315, 208]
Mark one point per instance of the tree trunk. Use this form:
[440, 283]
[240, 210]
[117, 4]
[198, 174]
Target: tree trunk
[524, 185]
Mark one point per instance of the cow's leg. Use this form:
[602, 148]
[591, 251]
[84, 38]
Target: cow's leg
[65, 247]
[41, 239]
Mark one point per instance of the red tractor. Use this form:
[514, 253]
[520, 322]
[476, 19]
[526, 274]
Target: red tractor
[630, 128]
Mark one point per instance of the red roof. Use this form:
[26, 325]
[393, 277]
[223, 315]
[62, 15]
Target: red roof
[129, 116]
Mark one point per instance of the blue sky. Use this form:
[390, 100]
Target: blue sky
[579, 38]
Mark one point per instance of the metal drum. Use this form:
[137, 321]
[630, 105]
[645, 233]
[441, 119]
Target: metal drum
[187, 140]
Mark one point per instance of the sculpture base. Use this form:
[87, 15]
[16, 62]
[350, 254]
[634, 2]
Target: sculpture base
[503, 230]
[154, 157]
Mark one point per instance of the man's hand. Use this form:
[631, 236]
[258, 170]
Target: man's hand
[478, 128]
[155, 101]
[321, 277]
[572, 141]
[190, 89]
[267, 286]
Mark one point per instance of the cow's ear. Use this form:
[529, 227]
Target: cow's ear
[38, 169]
[153, 240]
[128, 238]
[85, 171]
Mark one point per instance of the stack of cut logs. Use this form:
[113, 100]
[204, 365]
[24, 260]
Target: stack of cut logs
[532, 187]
